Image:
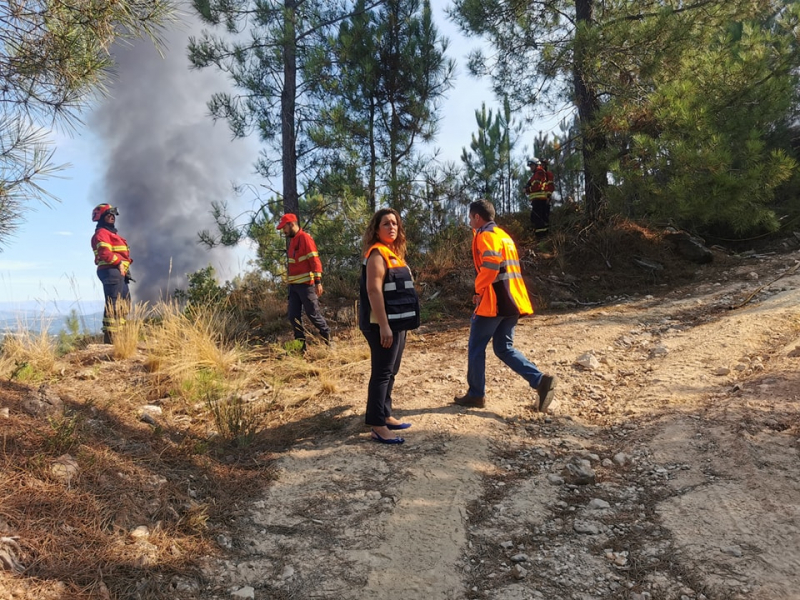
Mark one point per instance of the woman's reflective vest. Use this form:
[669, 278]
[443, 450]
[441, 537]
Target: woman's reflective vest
[399, 296]
[499, 280]
[110, 250]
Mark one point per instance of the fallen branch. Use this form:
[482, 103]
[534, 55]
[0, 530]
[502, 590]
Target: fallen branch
[758, 289]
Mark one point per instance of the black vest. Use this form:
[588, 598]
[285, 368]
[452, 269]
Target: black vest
[399, 296]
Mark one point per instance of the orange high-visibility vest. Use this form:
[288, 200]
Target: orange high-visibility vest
[499, 280]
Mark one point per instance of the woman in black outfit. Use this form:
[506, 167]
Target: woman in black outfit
[388, 307]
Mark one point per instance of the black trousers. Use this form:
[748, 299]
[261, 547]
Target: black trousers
[540, 216]
[385, 365]
[304, 297]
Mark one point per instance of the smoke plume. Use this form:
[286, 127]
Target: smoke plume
[166, 161]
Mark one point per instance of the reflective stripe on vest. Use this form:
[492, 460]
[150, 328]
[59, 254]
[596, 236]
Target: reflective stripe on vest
[392, 286]
[302, 278]
[302, 258]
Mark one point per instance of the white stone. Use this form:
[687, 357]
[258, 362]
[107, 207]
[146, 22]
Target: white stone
[588, 361]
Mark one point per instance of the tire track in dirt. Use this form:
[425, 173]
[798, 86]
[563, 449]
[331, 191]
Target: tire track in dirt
[425, 533]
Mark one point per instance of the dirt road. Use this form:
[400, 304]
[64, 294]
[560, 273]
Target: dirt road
[667, 469]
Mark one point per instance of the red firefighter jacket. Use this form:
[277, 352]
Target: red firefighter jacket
[111, 250]
[499, 280]
[541, 185]
[304, 264]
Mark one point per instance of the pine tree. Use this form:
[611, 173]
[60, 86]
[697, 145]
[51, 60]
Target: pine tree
[269, 67]
[389, 72]
[54, 59]
[658, 94]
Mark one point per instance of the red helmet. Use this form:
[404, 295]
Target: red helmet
[101, 209]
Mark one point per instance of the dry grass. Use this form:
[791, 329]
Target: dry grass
[173, 475]
[126, 339]
[186, 350]
[29, 355]
[76, 536]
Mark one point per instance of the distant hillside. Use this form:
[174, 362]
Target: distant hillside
[34, 316]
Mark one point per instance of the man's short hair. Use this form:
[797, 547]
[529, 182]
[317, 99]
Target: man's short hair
[483, 208]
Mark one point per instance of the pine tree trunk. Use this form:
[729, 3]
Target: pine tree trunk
[594, 143]
[288, 99]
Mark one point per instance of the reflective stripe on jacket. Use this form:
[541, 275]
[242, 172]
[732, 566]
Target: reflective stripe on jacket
[304, 263]
[540, 186]
[399, 296]
[110, 250]
[499, 280]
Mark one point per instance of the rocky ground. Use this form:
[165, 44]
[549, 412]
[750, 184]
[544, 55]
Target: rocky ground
[667, 468]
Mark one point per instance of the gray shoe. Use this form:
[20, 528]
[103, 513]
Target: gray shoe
[546, 391]
[470, 401]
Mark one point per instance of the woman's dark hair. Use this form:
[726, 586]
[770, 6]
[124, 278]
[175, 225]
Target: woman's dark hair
[371, 234]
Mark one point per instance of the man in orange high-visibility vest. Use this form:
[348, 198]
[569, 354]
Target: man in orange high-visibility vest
[500, 299]
[305, 280]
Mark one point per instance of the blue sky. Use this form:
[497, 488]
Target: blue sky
[50, 260]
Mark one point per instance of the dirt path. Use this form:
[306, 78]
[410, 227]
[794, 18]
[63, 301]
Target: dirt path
[669, 470]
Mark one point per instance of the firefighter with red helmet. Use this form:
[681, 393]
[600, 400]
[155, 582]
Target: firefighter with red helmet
[539, 191]
[304, 279]
[113, 259]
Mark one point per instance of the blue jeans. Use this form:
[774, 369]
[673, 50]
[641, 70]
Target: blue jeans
[501, 331]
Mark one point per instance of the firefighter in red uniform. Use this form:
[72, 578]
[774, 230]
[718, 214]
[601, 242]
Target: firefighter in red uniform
[305, 280]
[113, 259]
[539, 191]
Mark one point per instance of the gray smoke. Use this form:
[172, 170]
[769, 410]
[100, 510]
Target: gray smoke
[166, 161]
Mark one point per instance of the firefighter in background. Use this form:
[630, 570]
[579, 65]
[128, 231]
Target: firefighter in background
[305, 280]
[113, 259]
[539, 191]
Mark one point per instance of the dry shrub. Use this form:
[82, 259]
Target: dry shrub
[444, 273]
[191, 348]
[260, 308]
[237, 420]
[29, 355]
[126, 339]
[601, 258]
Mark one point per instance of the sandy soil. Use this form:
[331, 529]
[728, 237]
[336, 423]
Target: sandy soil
[667, 471]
